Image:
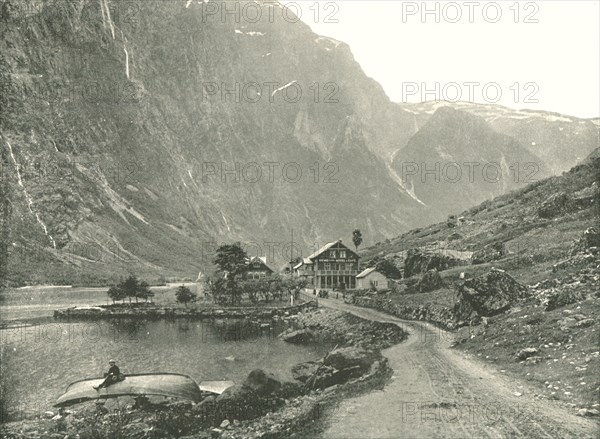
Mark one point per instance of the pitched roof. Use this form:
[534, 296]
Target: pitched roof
[327, 247]
[261, 259]
[365, 273]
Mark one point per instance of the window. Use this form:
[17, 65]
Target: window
[333, 254]
[327, 266]
[342, 253]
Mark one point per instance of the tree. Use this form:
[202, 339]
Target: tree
[357, 239]
[232, 261]
[388, 269]
[144, 291]
[116, 293]
[184, 295]
[131, 286]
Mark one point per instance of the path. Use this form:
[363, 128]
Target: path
[436, 392]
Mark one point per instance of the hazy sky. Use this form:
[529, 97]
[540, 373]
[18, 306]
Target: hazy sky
[551, 54]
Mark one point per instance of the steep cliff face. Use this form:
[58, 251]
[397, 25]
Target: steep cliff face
[136, 133]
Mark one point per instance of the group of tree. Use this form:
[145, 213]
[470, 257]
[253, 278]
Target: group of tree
[229, 285]
[130, 288]
[184, 295]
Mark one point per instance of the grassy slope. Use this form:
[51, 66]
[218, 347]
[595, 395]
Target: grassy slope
[569, 367]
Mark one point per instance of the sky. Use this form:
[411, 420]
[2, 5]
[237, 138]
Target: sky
[542, 55]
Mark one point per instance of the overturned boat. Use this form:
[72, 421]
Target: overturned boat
[170, 385]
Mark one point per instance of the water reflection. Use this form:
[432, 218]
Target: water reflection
[40, 360]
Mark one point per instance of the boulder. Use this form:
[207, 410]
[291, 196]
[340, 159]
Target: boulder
[524, 354]
[289, 390]
[303, 371]
[418, 261]
[488, 295]
[299, 336]
[489, 253]
[554, 206]
[238, 402]
[262, 383]
[350, 357]
[590, 238]
[563, 298]
[328, 376]
[430, 281]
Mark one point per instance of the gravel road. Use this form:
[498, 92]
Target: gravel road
[437, 392]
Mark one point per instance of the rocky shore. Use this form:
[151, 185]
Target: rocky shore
[260, 407]
[155, 312]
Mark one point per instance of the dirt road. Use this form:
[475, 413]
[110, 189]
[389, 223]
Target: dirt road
[436, 392]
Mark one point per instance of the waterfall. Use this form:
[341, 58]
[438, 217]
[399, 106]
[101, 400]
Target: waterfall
[106, 11]
[126, 54]
[28, 197]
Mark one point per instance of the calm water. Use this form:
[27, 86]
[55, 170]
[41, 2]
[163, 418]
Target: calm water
[40, 360]
[28, 302]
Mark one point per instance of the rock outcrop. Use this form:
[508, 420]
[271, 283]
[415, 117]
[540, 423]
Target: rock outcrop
[420, 261]
[590, 239]
[430, 281]
[488, 295]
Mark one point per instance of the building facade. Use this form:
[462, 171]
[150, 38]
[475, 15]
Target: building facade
[332, 266]
[257, 268]
[371, 278]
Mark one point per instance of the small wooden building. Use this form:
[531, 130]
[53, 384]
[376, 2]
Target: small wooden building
[371, 278]
[257, 268]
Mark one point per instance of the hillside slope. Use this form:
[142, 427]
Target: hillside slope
[541, 242]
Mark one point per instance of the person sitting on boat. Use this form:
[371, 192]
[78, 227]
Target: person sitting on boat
[113, 375]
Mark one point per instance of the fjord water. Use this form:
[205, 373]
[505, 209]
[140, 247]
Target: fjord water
[40, 360]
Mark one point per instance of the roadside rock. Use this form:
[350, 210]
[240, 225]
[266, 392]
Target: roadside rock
[524, 354]
[248, 400]
[262, 383]
[489, 253]
[488, 295]
[555, 205]
[430, 281]
[303, 371]
[588, 412]
[589, 239]
[299, 336]
[562, 298]
[350, 357]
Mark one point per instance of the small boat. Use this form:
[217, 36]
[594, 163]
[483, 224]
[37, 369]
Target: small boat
[172, 385]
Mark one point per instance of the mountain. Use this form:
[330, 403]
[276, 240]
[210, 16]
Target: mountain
[559, 140]
[137, 136]
[456, 160]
